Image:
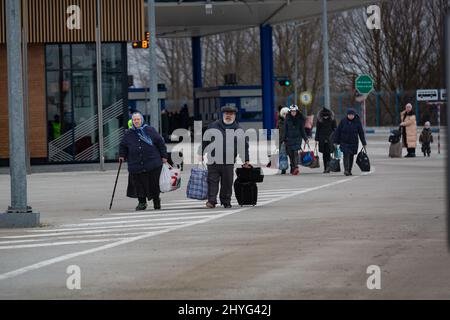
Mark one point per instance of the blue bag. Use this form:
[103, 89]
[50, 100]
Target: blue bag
[306, 157]
[283, 158]
[197, 187]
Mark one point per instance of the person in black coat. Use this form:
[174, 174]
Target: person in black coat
[346, 136]
[326, 124]
[145, 151]
[294, 132]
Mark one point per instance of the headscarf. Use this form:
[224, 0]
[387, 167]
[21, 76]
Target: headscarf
[141, 132]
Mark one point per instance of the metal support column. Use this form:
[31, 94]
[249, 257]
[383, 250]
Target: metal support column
[267, 77]
[155, 111]
[326, 77]
[98, 44]
[19, 214]
[447, 78]
[196, 72]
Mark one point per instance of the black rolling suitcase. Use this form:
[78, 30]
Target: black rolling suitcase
[246, 192]
[250, 174]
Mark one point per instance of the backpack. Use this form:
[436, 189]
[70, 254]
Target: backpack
[394, 137]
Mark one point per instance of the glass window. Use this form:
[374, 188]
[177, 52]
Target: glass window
[112, 88]
[52, 57]
[66, 56]
[83, 56]
[111, 57]
[72, 101]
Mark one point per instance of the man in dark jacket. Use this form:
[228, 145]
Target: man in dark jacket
[294, 133]
[346, 136]
[221, 166]
[326, 124]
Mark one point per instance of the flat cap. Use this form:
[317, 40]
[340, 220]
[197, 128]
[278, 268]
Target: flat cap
[228, 108]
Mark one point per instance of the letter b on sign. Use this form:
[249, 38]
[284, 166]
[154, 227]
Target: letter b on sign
[373, 17]
[74, 20]
[374, 281]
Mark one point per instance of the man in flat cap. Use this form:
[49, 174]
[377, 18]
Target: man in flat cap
[226, 135]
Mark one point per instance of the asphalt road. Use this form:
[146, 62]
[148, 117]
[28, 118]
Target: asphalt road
[311, 236]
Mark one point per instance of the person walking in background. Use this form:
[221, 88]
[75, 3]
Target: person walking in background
[184, 117]
[426, 139]
[294, 133]
[409, 130]
[309, 124]
[325, 126]
[346, 136]
[281, 118]
[145, 151]
[165, 125]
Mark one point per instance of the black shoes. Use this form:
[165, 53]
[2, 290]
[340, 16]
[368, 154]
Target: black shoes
[226, 205]
[141, 206]
[157, 204]
[210, 205]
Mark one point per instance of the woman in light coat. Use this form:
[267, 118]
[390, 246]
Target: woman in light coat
[409, 130]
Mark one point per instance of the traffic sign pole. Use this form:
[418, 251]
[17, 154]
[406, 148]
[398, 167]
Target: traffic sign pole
[439, 128]
[364, 115]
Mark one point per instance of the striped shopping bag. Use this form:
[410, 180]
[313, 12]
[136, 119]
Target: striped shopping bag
[197, 187]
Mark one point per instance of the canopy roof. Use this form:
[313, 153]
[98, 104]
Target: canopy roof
[187, 18]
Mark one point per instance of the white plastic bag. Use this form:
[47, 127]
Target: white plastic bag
[170, 178]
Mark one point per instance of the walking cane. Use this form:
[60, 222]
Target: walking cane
[115, 184]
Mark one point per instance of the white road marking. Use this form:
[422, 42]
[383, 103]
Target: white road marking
[92, 224]
[49, 244]
[102, 230]
[121, 235]
[140, 216]
[113, 227]
[65, 257]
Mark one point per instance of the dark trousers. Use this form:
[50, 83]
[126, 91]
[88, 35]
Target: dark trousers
[326, 155]
[411, 150]
[348, 161]
[293, 158]
[426, 148]
[223, 174]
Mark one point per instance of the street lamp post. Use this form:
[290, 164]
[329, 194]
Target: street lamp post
[98, 43]
[19, 214]
[153, 83]
[326, 84]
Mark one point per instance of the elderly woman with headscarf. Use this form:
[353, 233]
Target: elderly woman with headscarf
[346, 136]
[409, 130]
[145, 151]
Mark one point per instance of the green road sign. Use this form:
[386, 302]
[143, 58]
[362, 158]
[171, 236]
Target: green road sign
[364, 84]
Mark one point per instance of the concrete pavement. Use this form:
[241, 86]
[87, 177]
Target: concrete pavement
[310, 237]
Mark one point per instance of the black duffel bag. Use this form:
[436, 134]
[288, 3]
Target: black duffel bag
[362, 160]
[250, 174]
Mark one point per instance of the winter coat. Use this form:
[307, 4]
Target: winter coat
[346, 135]
[410, 128]
[294, 131]
[426, 136]
[280, 126]
[142, 157]
[228, 147]
[324, 129]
